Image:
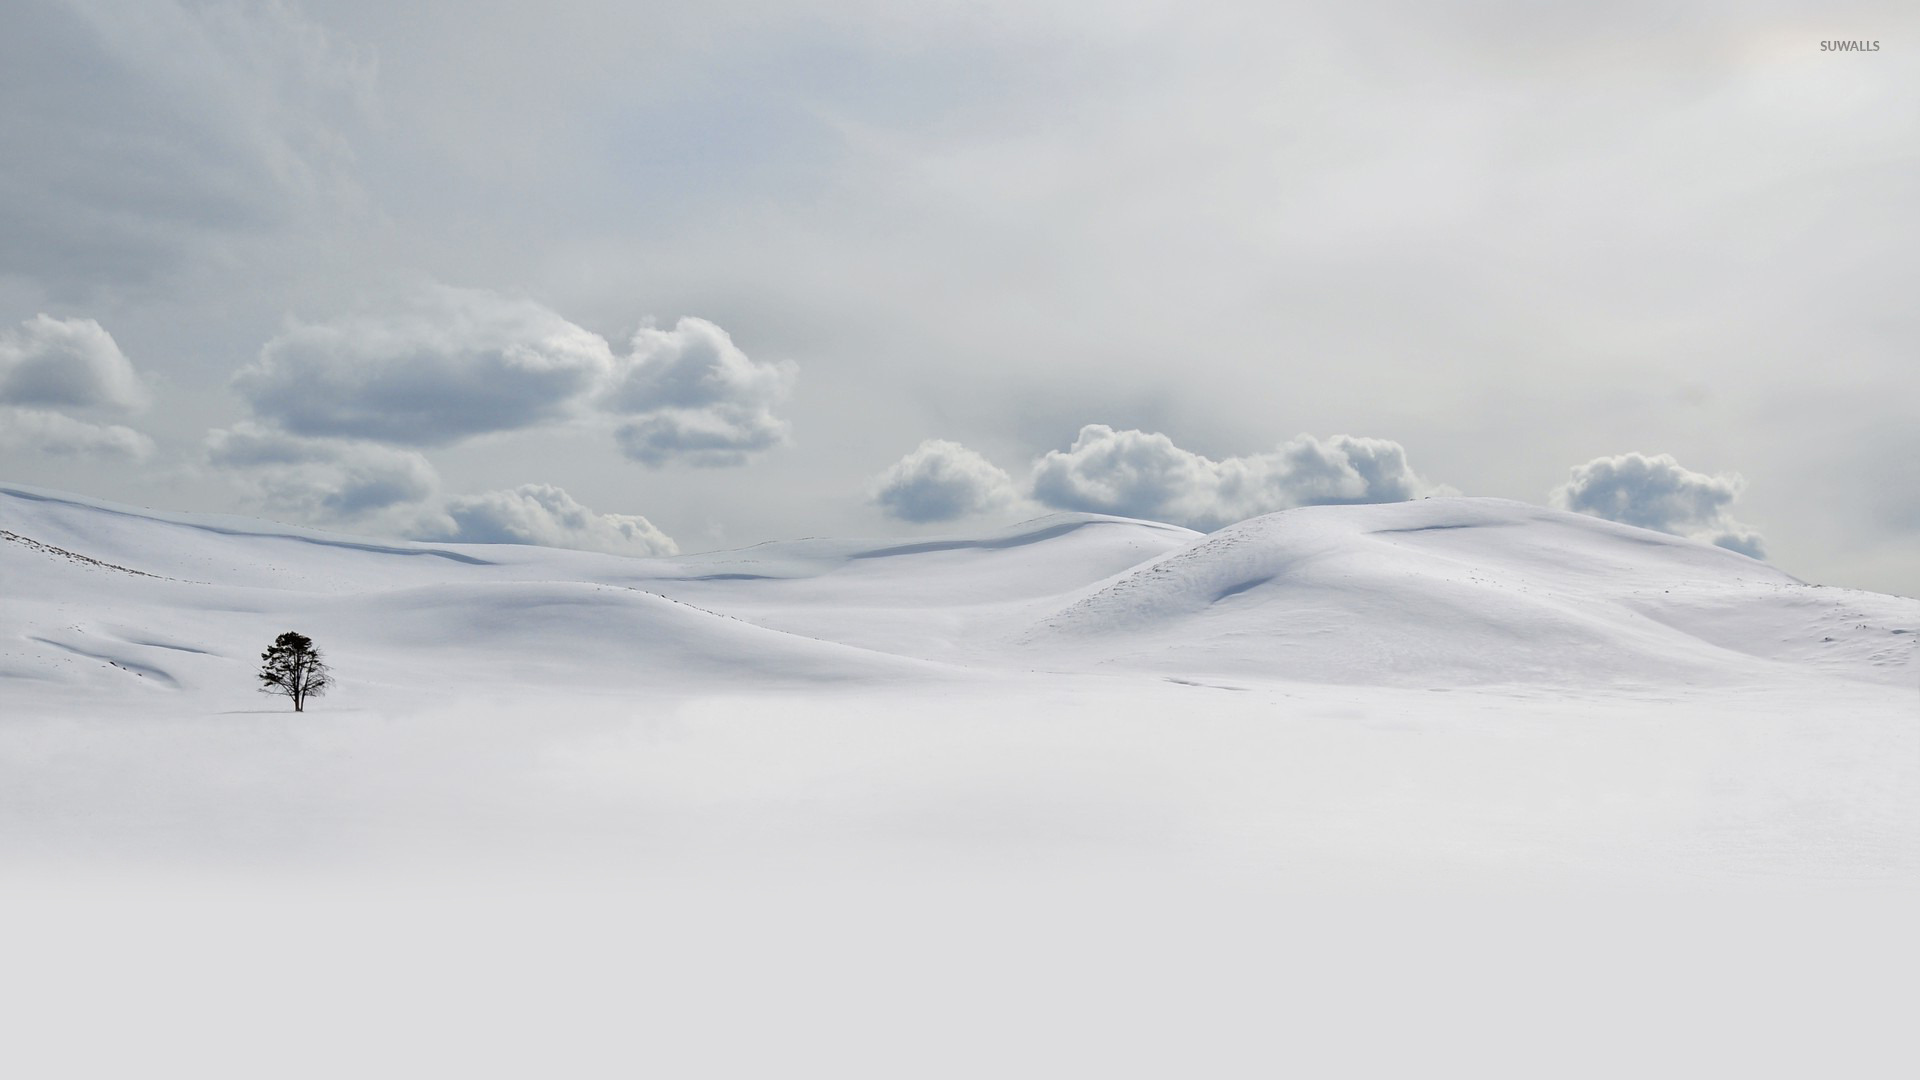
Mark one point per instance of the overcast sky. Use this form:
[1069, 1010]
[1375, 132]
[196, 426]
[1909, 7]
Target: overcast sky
[654, 277]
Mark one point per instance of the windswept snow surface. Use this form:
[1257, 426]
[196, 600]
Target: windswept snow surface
[1087, 796]
[1319, 687]
[1477, 592]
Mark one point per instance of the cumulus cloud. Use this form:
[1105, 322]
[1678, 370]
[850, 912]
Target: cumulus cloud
[460, 363]
[67, 363]
[454, 364]
[941, 481]
[57, 434]
[52, 367]
[1143, 474]
[1659, 493]
[546, 515]
[694, 396]
[368, 485]
[322, 479]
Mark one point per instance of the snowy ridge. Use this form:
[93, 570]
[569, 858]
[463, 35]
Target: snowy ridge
[70, 556]
[1471, 591]
[1442, 592]
[1075, 692]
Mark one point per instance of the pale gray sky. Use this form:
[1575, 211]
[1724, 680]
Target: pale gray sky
[633, 275]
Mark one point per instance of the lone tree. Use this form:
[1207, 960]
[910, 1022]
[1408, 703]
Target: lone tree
[292, 666]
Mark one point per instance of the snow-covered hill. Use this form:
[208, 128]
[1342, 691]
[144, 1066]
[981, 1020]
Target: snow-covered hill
[104, 601]
[1077, 676]
[824, 779]
[1471, 591]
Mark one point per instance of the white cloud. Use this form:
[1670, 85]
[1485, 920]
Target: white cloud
[459, 363]
[1144, 475]
[1659, 493]
[322, 479]
[941, 481]
[71, 363]
[545, 515]
[694, 396]
[368, 485]
[56, 434]
[453, 364]
[50, 367]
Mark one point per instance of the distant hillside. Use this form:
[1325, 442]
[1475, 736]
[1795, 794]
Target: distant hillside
[1460, 590]
[174, 608]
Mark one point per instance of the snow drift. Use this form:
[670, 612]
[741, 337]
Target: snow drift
[1441, 592]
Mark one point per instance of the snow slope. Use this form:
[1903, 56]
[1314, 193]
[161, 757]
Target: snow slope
[1473, 591]
[1551, 693]
[1459, 785]
[1442, 592]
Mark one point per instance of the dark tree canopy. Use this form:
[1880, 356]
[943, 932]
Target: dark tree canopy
[292, 666]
